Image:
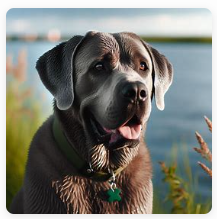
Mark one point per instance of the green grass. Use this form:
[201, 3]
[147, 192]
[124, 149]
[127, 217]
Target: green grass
[180, 183]
[22, 121]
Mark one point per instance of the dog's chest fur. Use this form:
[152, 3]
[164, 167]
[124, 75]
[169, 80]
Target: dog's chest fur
[59, 186]
[83, 196]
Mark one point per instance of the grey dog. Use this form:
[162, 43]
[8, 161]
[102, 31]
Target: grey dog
[90, 155]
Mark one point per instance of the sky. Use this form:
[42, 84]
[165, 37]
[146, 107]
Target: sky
[148, 22]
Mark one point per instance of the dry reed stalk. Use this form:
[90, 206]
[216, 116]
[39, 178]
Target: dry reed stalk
[205, 168]
[204, 149]
[21, 68]
[209, 123]
[9, 64]
[19, 71]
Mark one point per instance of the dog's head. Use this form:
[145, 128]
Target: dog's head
[110, 79]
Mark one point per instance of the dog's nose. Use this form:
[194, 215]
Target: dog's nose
[134, 91]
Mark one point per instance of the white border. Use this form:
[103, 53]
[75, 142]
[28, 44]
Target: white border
[6, 5]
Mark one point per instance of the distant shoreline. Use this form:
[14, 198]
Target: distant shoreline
[32, 38]
[179, 39]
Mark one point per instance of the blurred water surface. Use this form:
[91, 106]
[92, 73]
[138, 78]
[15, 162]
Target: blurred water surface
[187, 101]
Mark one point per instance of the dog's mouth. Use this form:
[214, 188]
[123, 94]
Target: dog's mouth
[126, 135]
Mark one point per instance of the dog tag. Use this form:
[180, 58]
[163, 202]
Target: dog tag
[113, 195]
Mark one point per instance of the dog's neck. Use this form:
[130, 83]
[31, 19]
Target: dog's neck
[137, 175]
[74, 131]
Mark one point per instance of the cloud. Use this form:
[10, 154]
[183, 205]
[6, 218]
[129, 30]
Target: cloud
[18, 26]
[161, 24]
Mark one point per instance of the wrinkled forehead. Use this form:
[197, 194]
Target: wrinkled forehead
[131, 47]
[97, 46]
[121, 46]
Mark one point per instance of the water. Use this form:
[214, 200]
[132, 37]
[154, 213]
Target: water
[186, 102]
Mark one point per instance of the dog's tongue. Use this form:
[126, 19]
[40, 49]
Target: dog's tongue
[130, 132]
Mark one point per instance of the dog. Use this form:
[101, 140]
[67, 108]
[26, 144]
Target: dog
[90, 155]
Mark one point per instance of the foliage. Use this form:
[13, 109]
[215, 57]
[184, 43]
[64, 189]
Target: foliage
[177, 194]
[22, 121]
[180, 197]
[183, 200]
[204, 149]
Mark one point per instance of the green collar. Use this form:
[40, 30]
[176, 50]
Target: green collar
[73, 156]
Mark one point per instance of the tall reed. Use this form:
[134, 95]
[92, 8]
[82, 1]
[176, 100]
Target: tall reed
[22, 120]
[204, 149]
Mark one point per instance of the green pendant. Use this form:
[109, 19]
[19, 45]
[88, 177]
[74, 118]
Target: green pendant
[113, 195]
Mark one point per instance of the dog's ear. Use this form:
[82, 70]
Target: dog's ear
[162, 75]
[55, 69]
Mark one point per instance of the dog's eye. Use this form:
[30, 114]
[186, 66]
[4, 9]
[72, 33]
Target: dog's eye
[99, 66]
[143, 66]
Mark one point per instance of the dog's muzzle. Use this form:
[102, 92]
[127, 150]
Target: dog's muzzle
[131, 97]
[134, 92]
